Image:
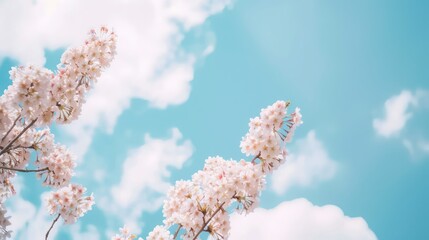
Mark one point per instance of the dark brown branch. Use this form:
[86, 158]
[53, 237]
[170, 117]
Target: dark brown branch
[177, 231]
[10, 129]
[24, 170]
[208, 221]
[53, 223]
[80, 82]
[19, 146]
[18, 136]
[256, 157]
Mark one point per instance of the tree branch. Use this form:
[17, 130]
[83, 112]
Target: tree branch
[177, 231]
[53, 223]
[24, 170]
[208, 221]
[256, 157]
[19, 146]
[10, 129]
[18, 136]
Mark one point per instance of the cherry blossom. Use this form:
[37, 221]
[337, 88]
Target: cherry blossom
[124, 234]
[203, 203]
[37, 98]
[160, 233]
[4, 223]
[69, 202]
[60, 165]
[268, 134]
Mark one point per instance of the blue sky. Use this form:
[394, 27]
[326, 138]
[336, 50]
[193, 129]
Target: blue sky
[185, 93]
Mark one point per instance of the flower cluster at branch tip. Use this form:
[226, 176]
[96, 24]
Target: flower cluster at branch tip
[267, 135]
[202, 204]
[39, 97]
[220, 184]
[69, 202]
[79, 69]
[294, 121]
[30, 90]
[60, 164]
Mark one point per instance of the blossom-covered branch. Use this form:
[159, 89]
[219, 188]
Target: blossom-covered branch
[202, 204]
[37, 98]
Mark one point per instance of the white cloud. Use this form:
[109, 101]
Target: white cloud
[150, 65]
[409, 146]
[417, 147]
[90, 233]
[423, 145]
[29, 223]
[209, 49]
[308, 163]
[397, 114]
[145, 174]
[299, 219]
[398, 110]
[22, 212]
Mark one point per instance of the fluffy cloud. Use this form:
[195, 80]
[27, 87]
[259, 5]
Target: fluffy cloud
[424, 146]
[145, 174]
[307, 163]
[29, 223]
[151, 64]
[417, 148]
[22, 213]
[396, 114]
[299, 219]
[398, 110]
[90, 233]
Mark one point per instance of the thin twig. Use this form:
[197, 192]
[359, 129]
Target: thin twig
[208, 221]
[19, 146]
[24, 170]
[10, 129]
[256, 157]
[177, 231]
[80, 82]
[18, 136]
[53, 223]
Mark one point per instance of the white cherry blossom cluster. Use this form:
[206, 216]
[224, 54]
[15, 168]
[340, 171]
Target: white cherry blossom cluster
[268, 134]
[220, 179]
[79, 69]
[86, 62]
[160, 233]
[69, 202]
[5, 120]
[18, 155]
[40, 94]
[222, 183]
[202, 204]
[43, 142]
[124, 234]
[59, 164]
[4, 223]
[294, 121]
[37, 98]
[30, 90]
[182, 206]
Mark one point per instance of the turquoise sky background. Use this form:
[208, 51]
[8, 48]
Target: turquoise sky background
[339, 61]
